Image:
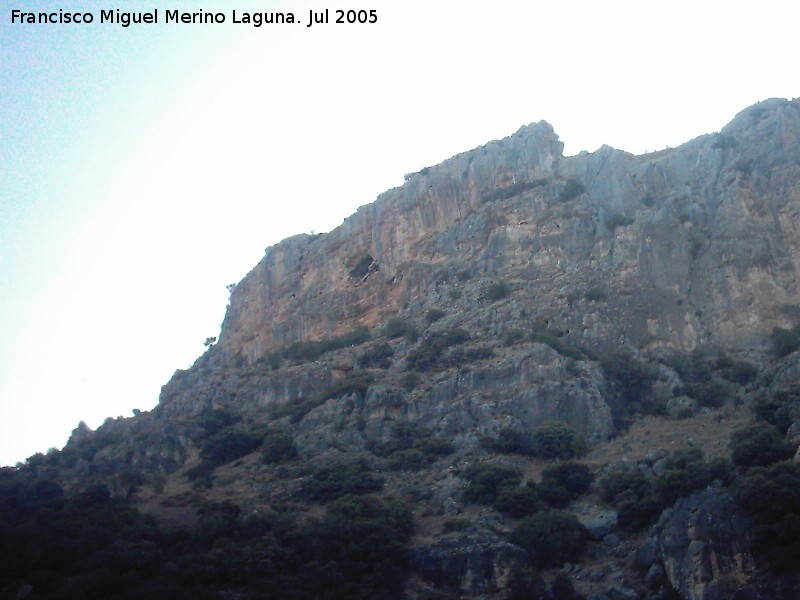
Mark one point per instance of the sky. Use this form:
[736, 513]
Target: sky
[145, 168]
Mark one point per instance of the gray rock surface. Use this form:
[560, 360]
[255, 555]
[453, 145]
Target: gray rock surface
[705, 547]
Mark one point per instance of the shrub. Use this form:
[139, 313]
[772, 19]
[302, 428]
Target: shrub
[633, 493]
[305, 351]
[614, 220]
[574, 478]
[340, 479]
[572, 189]
[277, 447]
[772, 497]
[426, 356]
[518, 188]
[724, 140]
[554, 439]
[223, 447]
[434, 315]
[684, 472]
[595, 294]
[551, 538]
[758, 444]
[636, 381]
[215, 420]
[486, 481]
[497, 291]
[359, 549]
[516, 502]
[710, 393]
[785, 341]
[619, 481]
[411, 448]
[513, 337]
[742, 372]
[377, 357]
[459, 356]
[542, 335]
[779, 409]
[456, 525]
[526, 584]
[353, 383]
[510, 441]
[416, 457]
[396, 327]
[410, 380]
[408, 460]
[229, 444]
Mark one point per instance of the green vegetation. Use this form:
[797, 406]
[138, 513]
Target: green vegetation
[306, 351]
[227, 445]
[513, 337]
[510, 441]
[411, 448]
[341, 479]
[410, 380]
[397, 327]
[564, 482]
[543, 335]
[486, 481]
[640, 498]
[551, 538]
[758, 445]
[684, 471]
[499, 486]
[741, 372]
[614, 220]
[497, 291]
[434, 315]
[554, 439]
[780, 409]
[785, 341]
[460, 356]
[90, 545]
[595, 294]
[635, 380]
[772, 496]
[426, 356]
[519, 501]
[724, 140]
[376, 357]
[355, 382]
[513, 190]
[277, 447]
[572, 189]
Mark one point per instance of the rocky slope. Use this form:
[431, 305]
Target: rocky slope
[443, 345]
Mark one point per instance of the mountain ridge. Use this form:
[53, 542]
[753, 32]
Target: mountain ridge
[390, 233]
[517, 375]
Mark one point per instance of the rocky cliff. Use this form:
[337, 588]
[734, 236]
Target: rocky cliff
[685, 247]
[410, 377]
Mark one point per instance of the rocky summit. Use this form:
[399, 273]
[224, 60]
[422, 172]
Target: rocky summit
[517, 375]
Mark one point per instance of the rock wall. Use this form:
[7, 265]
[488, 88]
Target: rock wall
[685, 246]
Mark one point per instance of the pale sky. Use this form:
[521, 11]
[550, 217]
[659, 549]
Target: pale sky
[143, 169]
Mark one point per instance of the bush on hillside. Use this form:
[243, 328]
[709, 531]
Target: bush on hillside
[550, 538]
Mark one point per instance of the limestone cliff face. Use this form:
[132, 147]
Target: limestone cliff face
[685, 246]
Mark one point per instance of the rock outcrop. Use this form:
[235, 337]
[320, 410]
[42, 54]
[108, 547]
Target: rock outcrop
[677, 248]
[705, 545]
